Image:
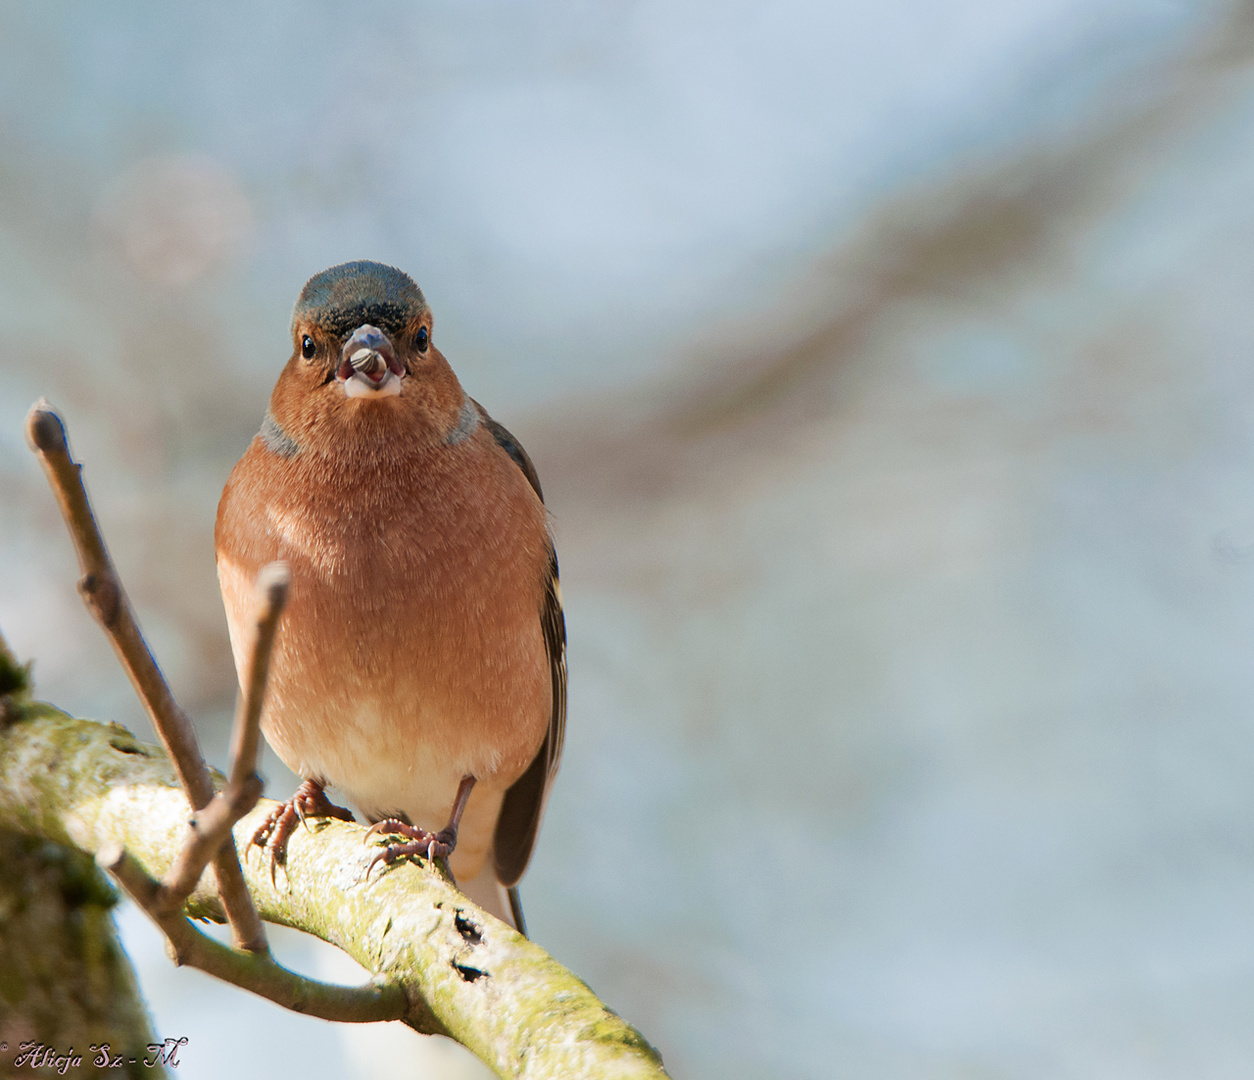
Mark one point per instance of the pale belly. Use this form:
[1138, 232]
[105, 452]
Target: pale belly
[404, 699]
[384, 773]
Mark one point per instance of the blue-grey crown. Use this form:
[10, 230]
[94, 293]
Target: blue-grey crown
[346, 296]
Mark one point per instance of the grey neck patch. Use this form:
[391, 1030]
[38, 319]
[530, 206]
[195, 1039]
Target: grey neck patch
[276, 439]
[466, 423]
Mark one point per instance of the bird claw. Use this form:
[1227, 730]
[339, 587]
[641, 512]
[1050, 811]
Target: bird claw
[309, 800]
[424, 844]
[387, 825]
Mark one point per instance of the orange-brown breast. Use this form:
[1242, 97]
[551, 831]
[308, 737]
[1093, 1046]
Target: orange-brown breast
[411, 652]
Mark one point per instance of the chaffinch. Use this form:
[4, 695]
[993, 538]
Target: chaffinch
[421, 665]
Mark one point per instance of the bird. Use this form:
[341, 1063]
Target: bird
[420, 669]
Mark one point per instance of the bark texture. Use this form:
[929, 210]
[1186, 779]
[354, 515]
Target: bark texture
[66, 986]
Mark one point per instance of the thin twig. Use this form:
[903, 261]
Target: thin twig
[102, 591]
[206, 834]
[210, 827]
[269, 598]
[258, 972]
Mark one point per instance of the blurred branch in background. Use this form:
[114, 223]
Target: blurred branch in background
[962, 238]
[66, 984]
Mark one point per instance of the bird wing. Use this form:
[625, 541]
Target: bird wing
[523, 806]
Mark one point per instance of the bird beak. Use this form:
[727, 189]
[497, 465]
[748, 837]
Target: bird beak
[368, 364]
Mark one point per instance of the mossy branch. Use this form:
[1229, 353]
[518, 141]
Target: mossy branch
[65, 982]
[460, 972]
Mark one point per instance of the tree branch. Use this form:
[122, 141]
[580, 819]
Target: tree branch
[163, 900]
[462, 972]
[67, 983]
[257, 972]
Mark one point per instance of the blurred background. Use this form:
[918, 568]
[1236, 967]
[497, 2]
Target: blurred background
[888, 367]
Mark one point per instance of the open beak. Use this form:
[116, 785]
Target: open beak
[368, 364]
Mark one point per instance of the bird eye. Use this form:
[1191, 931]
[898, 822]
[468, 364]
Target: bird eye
[307, 347]
[422, 339]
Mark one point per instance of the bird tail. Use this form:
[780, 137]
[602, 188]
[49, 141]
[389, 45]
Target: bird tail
[515, 909]
[495, 898]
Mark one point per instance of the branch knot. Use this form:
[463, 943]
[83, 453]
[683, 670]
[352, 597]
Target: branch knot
[103, 596]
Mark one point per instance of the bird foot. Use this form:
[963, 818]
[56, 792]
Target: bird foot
[428, 845]
[309, 800]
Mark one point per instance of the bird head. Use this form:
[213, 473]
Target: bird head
[363, 356]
